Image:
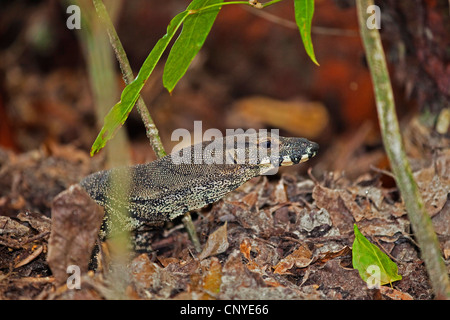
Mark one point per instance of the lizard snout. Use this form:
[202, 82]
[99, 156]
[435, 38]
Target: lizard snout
[307, 152]
[313, 149]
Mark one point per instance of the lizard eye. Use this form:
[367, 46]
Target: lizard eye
[266, 144]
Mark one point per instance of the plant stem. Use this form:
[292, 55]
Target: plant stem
[263, 5]
[151, 130]
[418, 216]
[100, 65]
[270, 3]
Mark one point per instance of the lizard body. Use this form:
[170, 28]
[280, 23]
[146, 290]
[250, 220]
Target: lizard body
[164, 189]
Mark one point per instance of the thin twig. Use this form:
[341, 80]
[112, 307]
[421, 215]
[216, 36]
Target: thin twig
[30, 257]
[37, 237]
[417, 213]
[128, 76]
[190, 227]
[385, 172]
[292, 25]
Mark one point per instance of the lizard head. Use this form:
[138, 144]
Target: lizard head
[268, 151]
[261, 150]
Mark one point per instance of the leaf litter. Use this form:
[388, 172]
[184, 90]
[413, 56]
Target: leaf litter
[283, 238]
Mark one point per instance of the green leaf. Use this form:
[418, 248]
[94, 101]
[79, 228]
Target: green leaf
[374, 265]
[195, 30]
[119, 112]
[304, 11]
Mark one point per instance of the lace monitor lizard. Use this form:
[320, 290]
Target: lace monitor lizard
[164, 189]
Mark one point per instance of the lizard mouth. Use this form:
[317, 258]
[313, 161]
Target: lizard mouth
[289, 160]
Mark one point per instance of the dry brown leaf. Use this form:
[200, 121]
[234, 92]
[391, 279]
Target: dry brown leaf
[237, 277]
[441, 221]
[165, 261]
[142, 270]
[301, 258]
[447, 249]
[217, 243]
[76, 221]
[12, 228]
[213, 278]
[386, 230]
[395, 294]
[372, 199]
[253, 263]
[334, 254]
[350, 203]
[443, 166]
[331, 200]
[245, 248]
[434, 192]
[279, 193]
[397, 210]
[250, 199]
[38, 221]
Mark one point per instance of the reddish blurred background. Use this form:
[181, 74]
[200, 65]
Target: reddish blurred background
[252, 72]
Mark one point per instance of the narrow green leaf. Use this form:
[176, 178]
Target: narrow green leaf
[304, 12]
[372, 263]
[119, 112]
[196, 28]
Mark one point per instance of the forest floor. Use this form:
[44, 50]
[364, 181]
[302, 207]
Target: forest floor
[287, 237]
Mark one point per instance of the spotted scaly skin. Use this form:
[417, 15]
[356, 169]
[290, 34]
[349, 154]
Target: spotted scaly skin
[161, 190]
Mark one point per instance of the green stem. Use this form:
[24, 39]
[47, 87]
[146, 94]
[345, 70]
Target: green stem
[270, 3]
[128, 76]
[418, 216]
[263, 5]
